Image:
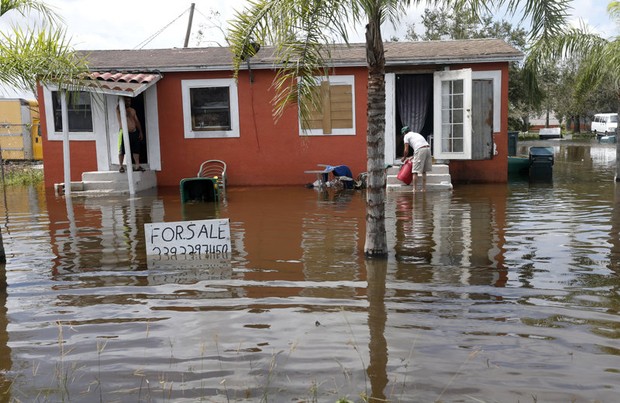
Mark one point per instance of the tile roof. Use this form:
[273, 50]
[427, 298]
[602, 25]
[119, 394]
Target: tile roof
[129, 84]
[220, 58]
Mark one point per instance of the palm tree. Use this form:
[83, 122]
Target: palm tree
[598, 58]
[302, 32]
[30, 54]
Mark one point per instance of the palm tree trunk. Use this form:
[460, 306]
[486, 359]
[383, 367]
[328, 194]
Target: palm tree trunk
[376, 239]
[617, 178]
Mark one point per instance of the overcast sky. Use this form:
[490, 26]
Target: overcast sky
[132, 24]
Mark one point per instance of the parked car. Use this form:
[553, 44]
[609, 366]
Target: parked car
[604, 124]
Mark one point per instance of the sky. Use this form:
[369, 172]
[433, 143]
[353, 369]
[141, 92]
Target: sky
[151, 24]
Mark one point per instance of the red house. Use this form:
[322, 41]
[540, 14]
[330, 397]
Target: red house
[192, 110]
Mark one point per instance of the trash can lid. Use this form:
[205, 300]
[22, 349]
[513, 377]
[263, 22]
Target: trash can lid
[541, 151]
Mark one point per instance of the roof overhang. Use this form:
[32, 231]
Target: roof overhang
[116, 83]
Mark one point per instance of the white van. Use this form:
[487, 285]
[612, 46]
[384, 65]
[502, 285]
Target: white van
[604, 124]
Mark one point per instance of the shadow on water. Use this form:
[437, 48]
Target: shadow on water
[505, 292]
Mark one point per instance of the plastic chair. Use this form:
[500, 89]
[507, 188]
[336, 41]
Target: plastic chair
[212, 169]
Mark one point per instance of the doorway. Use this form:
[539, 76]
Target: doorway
[413, 107]
[138, 104]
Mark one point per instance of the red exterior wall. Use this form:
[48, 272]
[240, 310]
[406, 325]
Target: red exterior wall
[494, 170]
[83, 154]
[267, 152]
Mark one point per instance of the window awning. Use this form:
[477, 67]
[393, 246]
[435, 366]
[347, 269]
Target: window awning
[117, 83]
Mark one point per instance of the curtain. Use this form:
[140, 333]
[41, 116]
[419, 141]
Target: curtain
[413, 95]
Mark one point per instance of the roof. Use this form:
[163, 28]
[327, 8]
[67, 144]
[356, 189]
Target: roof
[128, 84]
[353, 55]
[116, 83]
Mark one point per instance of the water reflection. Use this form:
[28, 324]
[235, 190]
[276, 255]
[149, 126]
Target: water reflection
[491, 292]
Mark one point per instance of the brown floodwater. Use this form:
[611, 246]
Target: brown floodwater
[490, 293]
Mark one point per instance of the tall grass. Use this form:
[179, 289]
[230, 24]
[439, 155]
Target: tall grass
[15, 174]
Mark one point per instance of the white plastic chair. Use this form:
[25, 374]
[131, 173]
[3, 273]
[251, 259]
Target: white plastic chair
[213, 168]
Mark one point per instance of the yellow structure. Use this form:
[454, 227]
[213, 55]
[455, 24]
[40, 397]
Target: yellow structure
[20, 137]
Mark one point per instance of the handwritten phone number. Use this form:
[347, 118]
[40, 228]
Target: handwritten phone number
[189, 250]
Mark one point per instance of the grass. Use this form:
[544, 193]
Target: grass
[533, 135]
[20, 174]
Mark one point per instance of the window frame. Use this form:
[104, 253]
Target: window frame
[52, 133]
[187, 85]
[333, 80]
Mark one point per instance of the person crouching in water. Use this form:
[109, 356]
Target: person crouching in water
[422, 161]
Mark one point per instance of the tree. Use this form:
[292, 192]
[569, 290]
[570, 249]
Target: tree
[444, 23]
[599, 61]
[302, 32]
[33, 53]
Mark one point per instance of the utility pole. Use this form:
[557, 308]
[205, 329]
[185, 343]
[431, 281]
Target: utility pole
[189, 24]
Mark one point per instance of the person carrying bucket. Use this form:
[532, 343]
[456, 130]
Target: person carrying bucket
[422, 160]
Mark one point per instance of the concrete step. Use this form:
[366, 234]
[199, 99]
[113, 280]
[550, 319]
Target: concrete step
[438, 179]
[110, 182]
[442, 169]
[430, 178]
[430, 187]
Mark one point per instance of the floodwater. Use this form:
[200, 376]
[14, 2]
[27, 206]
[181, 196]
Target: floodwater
[490, 293]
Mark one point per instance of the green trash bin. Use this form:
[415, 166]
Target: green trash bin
[199, 189]
[513, 139]
[541, 164]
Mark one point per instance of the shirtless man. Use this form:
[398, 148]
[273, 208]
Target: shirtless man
[135, 136]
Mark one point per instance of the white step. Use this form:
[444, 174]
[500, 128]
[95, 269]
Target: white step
[110, 182]
[437, 180]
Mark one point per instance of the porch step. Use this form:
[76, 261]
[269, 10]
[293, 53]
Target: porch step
[437, 180]
[110, 182]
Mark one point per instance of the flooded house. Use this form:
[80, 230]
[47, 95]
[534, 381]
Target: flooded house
[192, 109]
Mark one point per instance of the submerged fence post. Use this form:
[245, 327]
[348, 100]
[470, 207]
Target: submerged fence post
[2, 254]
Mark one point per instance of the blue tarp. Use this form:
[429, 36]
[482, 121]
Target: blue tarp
[340, 170]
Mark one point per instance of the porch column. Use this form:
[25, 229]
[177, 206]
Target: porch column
[126, 144]
[66, 158]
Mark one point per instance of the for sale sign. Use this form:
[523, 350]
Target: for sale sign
[204, 237]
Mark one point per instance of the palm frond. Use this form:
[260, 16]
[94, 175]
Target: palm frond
[24, 7]
[548, 17]
[28, 55]
[301, 31]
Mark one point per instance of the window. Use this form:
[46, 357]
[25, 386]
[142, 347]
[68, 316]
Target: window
[336, 116]
[80, 111]
[452, 116]
[452, 120]
[210, 108]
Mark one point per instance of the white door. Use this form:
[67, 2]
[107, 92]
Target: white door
[452, 115]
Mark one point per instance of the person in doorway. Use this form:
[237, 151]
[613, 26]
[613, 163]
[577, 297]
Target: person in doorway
[135, 136]
[422, 160]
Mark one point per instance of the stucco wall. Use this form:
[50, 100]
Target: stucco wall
[494, 170]
[267, 152]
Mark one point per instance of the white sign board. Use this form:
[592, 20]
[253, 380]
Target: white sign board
[204, 237]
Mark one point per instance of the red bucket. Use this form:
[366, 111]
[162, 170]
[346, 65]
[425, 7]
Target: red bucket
[405, 175]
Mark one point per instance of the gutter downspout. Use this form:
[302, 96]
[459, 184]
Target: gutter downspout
[128, 155]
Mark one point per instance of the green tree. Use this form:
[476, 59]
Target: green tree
[302, 32]
[445, 23]
[35, 53]
[598, 57]
[31, 54]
